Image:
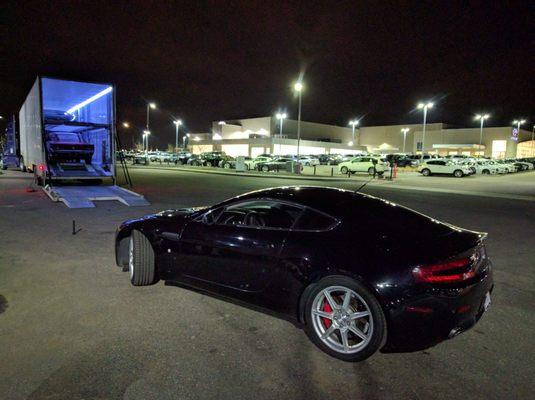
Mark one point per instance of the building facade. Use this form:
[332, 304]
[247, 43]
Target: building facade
[254, 136]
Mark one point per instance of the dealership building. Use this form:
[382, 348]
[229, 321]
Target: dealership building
[254, 136]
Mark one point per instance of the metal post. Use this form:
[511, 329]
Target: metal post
[404, 140]
[280, 136]
[423, 133]
[480, 136]
[353, 139]
[299, 125]
[176, 136]
[148, 130]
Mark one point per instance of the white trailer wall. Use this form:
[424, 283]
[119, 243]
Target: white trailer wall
[31, 141]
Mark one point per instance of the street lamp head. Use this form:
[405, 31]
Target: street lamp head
[281, 115]
[178, 122]
[482, 116]
[126, 125]
[354, 122]
[146, 132]
[221, 123]
[405, 130]
[298, 86]
[152, 105]
[350, 144]
[425, 105]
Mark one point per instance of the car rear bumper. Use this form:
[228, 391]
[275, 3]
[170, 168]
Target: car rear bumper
[438, 314]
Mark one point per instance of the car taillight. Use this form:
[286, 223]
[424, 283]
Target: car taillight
[458, 270]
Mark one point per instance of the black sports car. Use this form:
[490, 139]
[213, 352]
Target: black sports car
[358, 273]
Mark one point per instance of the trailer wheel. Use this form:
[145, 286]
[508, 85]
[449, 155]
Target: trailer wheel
[22, 165]
[140, 260]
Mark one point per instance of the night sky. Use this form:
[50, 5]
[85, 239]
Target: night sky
[204, 61]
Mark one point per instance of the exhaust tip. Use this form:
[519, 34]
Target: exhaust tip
[454, 332]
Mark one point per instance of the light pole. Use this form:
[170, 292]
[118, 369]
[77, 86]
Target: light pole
[404, 130]
[146, 134]
[177, 123]
[353, 124]
[482, 118]
[425, 107]
[298, 87]
[147, 131]
[281, 117]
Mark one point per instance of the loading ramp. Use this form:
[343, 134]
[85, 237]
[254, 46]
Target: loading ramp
[83, 196]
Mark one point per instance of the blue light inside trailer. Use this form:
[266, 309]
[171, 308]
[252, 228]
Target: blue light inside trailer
[81, 101]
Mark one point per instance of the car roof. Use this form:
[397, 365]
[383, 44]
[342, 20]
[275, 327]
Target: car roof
[326, 199]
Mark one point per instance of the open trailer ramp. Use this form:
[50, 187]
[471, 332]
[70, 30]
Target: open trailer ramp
[83, 196]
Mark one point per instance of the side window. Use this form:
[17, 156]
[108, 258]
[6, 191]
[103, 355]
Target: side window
[259, 214]
[432, 162]
[311, 220]
[440, 162]
[365, 159]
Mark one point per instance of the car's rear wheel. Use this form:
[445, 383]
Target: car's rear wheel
[426, 172]
[344, 319]
[343, 170]
[485, 172]
[371, 171]
[227, 165]
[458, 173]
[140, 260]
[265, 168]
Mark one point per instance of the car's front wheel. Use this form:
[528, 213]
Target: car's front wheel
[265, 168]
[140, 260]
[426, 172]
[458, 173]
[344, 319]
[344, 170]
[371, 171]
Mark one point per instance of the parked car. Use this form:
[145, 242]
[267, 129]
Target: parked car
[227, 162]
[521, 165]
[508, 166]
[212, 158]
[252, 163]
[444, 167]
[140, 158]
[368, 164]
[276, 164]
[486, 167]
[308, 161]
[401, 160]
[282, 238]
[68, 147]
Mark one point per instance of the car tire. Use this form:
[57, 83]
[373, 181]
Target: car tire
[371, 171]
[226, 165]
[372, 326]
[485, 172]
[344, 170]
[140, 260]
[426, 172]
[264, 168]
[458, 173]
[22, 165]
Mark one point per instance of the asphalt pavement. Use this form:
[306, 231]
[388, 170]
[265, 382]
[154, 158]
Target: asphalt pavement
[72, 326]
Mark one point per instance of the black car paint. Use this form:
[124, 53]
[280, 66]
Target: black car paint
[274, 270]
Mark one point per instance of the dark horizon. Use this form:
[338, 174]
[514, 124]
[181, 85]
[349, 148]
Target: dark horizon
[204, 62]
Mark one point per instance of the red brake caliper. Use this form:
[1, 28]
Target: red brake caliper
[327, 308]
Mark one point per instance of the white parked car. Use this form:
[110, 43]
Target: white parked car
[251, 163]
[308, 161]
[508, 166]
[487, 167]
[367, 164]
[444, 167]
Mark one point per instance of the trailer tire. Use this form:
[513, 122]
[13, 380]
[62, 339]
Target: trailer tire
[140, 260]
[22, 165]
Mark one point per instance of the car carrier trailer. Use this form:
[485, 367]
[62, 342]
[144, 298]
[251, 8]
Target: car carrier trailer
[67, 135]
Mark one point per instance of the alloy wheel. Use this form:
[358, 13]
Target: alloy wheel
[342, 319]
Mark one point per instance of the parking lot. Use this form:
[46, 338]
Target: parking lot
[72, 326]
